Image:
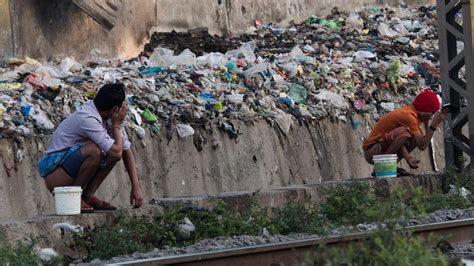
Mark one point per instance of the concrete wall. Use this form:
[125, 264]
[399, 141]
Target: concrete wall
[45, 28]
[6, 41]
[261, 159]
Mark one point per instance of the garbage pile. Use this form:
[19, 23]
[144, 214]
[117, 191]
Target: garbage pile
[371, 61]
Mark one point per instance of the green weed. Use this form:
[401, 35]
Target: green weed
[22, 254]
[386, 248]
[297, 218]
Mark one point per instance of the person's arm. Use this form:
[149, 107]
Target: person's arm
[423, 141]
[412, 161]
[118, 115]
[136, 198]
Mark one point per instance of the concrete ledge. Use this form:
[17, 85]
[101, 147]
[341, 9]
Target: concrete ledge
[42, 226]
[278, 197]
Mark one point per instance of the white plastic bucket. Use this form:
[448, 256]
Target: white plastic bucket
[385, 165]
[67, 200]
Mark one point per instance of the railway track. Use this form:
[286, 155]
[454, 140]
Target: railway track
[295, 252]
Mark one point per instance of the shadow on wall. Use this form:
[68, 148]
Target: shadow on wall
[55, 17]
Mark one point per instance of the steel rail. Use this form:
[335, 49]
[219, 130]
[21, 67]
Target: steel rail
[294, 252]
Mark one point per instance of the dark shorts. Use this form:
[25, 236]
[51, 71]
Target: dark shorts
[72, 163]
[70, 160]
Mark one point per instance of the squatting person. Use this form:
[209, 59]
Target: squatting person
[399, 132]
[87, 145]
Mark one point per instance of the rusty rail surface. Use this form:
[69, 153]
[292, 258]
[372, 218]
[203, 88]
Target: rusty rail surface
[295, 252]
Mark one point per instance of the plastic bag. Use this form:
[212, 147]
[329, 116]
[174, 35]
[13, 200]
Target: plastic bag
[385, 30]
[283, 121]
[285, 99]
[330, 24]
[333, 99]
[412, 25]
[235, 98]
[42, 82]
[393, 72]
[151, 71]
[139, 131]
[158, 55]
[297, 92]
[40, 119]
[256, 69]
[136, 115]
[69, 65]
[297, 55]
[388, 106]
[184, 58]
[149, 116]
[406, 70]
[166, 57]
[311, 20]
[463, 192]
[184, 130]
[208, 97]
[308, 48]
[212, 60]
[355, 21]
[291, 69]
[50, 71]
[361, 55]
[246, 50]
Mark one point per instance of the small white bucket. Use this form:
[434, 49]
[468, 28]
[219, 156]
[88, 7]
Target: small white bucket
[67, 200]
[385, 165]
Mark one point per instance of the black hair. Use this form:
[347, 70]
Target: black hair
[109, 96]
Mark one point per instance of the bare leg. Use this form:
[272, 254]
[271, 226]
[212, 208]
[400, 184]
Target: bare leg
[97, 180]
[58, 178]
[396, 146]
[89, 166]
[375, 149]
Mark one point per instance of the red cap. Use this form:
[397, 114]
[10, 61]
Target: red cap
[426, 101]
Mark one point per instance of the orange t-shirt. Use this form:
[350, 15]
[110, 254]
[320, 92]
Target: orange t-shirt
[404, 116]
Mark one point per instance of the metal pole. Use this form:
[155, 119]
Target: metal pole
[454, 87]
[468, 8]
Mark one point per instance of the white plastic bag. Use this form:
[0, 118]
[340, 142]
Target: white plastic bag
[40, 119]
[184, 130]
[355, 21]
[284, 121]
[246, 50]
[362, 55]
[333, 99]
[69, 65]
[184, 58]
[385, 30]
[50, 71]
[165, 57]
[212, 60]
[158, 55]
[235, 98]
[258, 68]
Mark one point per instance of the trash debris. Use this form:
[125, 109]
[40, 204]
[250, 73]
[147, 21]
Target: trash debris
[366, 61]
[47, 254]
[184, 229]
[462, 191]
[67, 227]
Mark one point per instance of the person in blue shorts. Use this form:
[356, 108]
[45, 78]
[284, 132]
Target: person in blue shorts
[87, 145]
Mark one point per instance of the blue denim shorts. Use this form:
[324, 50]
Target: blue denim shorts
[70, 160]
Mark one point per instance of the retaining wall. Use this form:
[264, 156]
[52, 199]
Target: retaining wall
[261, 159]
[42, 29]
